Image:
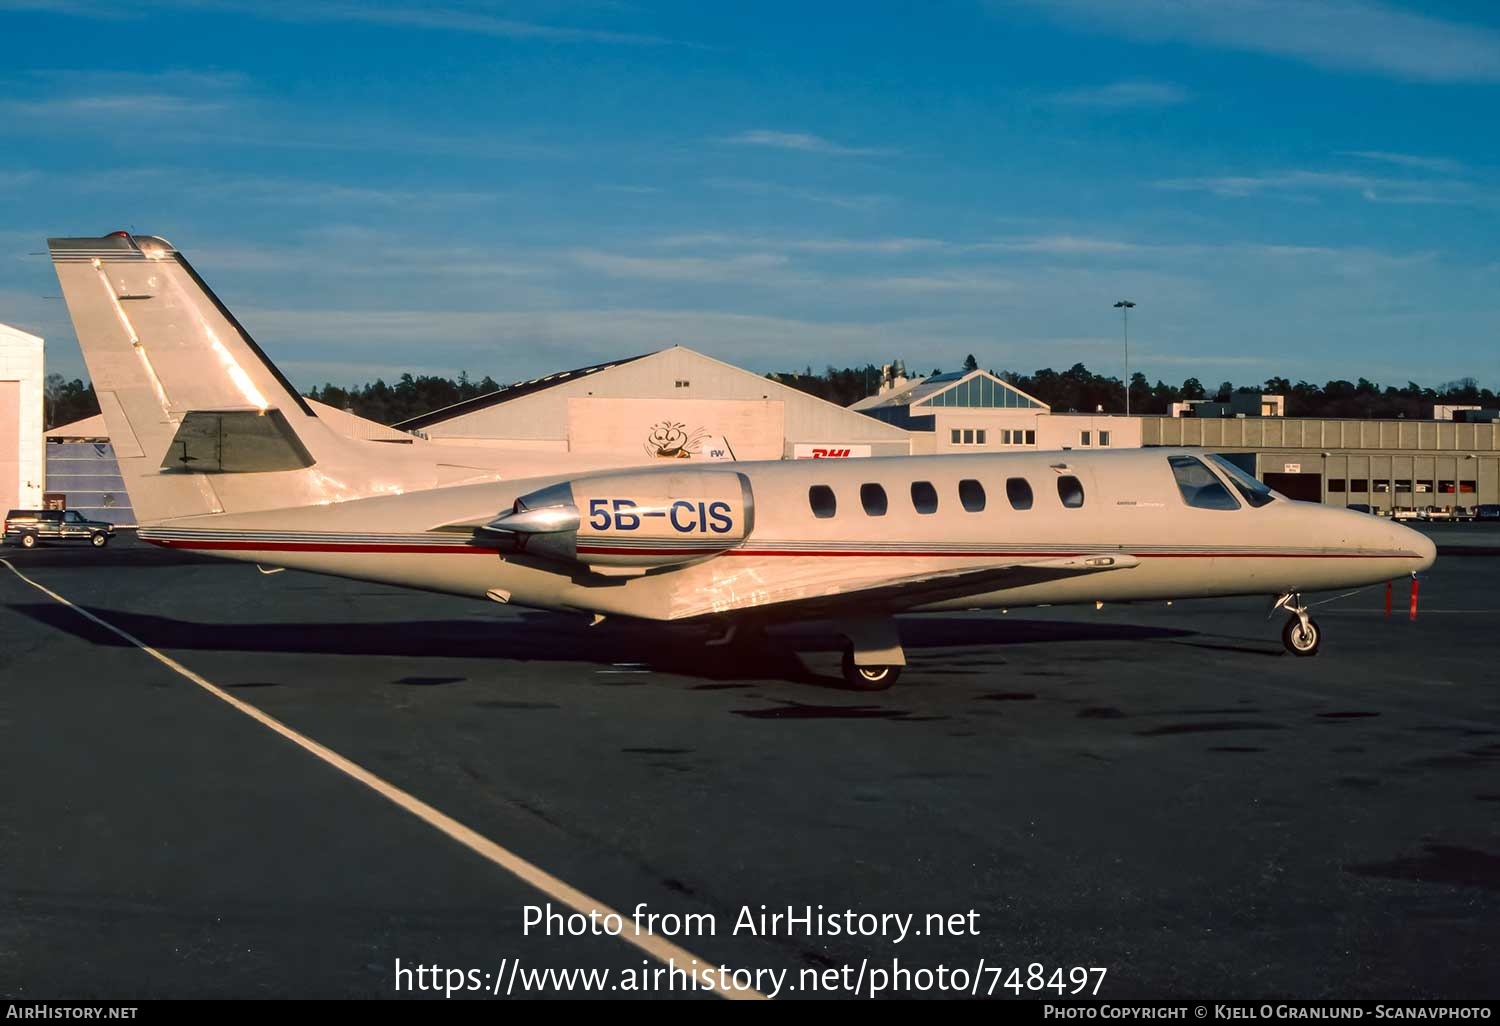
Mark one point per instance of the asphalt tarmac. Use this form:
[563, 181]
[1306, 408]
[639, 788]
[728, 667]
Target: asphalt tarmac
[1159, 791]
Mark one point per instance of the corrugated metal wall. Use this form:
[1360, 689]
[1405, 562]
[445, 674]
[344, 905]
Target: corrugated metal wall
[88, 474]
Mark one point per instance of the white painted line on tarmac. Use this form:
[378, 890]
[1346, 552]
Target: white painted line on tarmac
[662, 950]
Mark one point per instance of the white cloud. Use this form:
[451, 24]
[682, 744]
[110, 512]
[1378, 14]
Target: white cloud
[449, 18]
[1123, 95]
[1300, 183]
[1410, 160]
[801, 141]
[844, 201]
[1346, 35]
[695, 269]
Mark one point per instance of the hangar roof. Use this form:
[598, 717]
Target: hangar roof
[506, 393]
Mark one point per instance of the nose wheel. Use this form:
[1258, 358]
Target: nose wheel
[1301, 635]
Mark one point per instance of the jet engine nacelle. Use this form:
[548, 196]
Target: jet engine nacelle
[631, 521]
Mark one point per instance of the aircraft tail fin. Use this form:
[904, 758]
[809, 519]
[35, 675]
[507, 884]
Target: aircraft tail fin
[201, 420]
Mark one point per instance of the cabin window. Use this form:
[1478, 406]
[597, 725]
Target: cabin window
[1070, 491]
[1018, 491]
[971, 495]
[1255, 492]
[924, 497]
[872, 497]
[820, 498]
[1198, 485]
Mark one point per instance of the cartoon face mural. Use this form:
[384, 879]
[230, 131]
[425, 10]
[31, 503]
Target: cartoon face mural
[670, 440]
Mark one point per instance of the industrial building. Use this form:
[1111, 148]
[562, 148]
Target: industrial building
[21, 417]
[664, 404]
[1385, 464]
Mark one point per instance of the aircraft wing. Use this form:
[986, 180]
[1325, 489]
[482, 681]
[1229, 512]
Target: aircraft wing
[880, 590]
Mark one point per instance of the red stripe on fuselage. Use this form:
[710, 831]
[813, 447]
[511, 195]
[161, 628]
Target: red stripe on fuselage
[255, 546]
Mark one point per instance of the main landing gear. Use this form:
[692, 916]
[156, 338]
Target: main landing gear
[873, 657]
[1301, 635]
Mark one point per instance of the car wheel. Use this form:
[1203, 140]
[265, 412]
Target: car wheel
[99, 540]
[28, 541]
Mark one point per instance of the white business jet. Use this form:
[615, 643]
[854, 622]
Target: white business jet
[220, 455]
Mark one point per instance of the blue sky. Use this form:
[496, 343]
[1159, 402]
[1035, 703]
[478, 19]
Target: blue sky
[1285, 187]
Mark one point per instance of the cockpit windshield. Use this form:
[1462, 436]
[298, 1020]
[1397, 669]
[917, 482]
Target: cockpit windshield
[1199, 488]
[1255, 492]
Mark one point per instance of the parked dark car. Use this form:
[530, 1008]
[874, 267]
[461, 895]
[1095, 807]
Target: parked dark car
[1487, 511]
[30, 527]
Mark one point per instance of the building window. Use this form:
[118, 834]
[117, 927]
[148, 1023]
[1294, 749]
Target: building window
[979, 437]
[1381, 487]
[1005, 437]
[1464, 488]
[1335, 484]
[1359, 484]
[1104, 438]
[820, 498]
[683, 384]
[872, 497]
[968, 436]
[971, 494]
[1031, 438]
[1018, 491]
[1424, 487]
[1403, 484]
[1070, 491]
[956, 435]
[1083, 438]
[1445, 487]
[924, 497]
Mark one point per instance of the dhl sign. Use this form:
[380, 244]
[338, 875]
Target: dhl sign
[811, 451]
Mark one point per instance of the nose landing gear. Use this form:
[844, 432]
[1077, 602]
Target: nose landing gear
[1301, 635]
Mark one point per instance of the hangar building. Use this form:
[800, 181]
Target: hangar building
[21, 417]
[672, 402]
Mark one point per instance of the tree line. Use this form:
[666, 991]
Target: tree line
[1079, 390]
[1076, 389]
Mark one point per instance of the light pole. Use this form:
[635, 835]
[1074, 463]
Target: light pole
[1124, 306]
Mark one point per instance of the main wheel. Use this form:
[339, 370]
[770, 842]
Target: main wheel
[28, 541]
[1300, 640]
[98, 541]
[868, 678]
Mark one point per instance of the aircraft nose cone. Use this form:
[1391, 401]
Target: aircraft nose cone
[1422, 548]
[1426, 550]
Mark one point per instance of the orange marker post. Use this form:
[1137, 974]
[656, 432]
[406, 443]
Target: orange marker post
[1414, 596]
